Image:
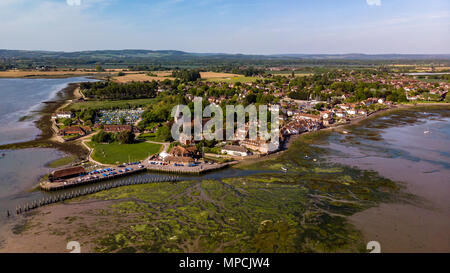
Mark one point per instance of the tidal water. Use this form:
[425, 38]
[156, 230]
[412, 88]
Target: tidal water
[412, 148]
[21, 98]
[20, 170]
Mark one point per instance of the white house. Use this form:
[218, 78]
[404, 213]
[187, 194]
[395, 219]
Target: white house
[351, 111]
[62, 114]
[234, 150]
[340, 114]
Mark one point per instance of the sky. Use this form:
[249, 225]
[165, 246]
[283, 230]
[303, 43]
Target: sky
[229, 26]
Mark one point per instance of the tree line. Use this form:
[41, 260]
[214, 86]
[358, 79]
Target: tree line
[116, 91]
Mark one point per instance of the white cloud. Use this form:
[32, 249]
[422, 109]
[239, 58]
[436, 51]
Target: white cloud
[373, 2]
[74, 2]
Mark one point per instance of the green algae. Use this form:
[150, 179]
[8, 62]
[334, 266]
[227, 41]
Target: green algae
[302, 210]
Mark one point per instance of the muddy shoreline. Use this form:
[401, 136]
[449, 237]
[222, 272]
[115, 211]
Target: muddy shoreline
[44, 124]
[418, 226]
[83, 209]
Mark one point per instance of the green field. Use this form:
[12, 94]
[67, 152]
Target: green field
[242, 79]
[109, 104]
[61, 162]
[150, 137]
[288, 72]
[118, 153]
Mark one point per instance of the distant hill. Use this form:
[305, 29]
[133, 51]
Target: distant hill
[162, 54]
[174, 58]
[357, 56]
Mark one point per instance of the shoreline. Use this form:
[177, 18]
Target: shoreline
[46, 138]
[77, 206]
[293, 138]
[49, 138]
[416, 226]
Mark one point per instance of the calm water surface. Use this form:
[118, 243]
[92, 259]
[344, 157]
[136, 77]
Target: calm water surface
[23, 98]
[417, 154]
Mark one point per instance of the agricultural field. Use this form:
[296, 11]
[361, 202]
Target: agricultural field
[163, 75]
[143, 76]
[212, 75]
[149, 137]
[115, 153]
[289, 73]
[62, 162]
[242, 79]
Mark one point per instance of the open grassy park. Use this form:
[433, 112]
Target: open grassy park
[234, 79]
[114, 153]
[62, 161]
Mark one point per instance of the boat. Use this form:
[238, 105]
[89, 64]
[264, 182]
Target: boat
[344, 132]
[284, 169]
[426, 132]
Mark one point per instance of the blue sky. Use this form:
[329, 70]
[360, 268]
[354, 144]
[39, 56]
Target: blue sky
[229, 26]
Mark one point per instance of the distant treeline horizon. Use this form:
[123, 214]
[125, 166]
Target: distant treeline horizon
[171, 58]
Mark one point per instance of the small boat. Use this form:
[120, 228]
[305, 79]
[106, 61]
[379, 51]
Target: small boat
[426, 132]
[284, 169]
[344, 132]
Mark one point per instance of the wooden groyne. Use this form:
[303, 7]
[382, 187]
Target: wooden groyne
[90, 190]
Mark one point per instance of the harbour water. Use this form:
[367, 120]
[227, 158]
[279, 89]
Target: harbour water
[412, 148]
[21, 100]
[20, 170]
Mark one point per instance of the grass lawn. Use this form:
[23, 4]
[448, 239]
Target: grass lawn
[109, 104]
[150, 137]
[115, 152]
[288, 73]
[61, 161]
[241, 79]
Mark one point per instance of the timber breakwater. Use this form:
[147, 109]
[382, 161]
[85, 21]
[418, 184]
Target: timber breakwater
[91, 181]
[89, 190]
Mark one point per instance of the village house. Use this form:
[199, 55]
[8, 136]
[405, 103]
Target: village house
[75, 130]
[117, 128]
[361, 112]
[259, 145]
[328, 121]
[179, 151]
[62, 114]
[299, 116]
[340, 113]
[185, 139]
[234, 150]
[179, 159]
[326, 114]
[352, 111]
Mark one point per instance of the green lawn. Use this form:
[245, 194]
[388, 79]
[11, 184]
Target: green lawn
[118, 153]
[241, 79]
[109, 104]
[150, 137]
[289, 72]
[61, 162]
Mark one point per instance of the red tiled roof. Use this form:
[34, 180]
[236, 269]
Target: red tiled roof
[68, 172]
